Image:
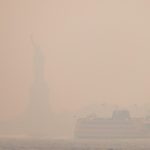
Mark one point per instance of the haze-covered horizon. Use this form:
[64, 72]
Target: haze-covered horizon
[96, 55]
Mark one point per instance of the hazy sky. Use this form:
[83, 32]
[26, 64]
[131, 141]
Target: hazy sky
[96, 51]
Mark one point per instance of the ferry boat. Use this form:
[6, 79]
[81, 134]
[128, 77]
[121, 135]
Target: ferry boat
[119, 125]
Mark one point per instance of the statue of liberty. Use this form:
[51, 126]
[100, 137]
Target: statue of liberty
[39, 114]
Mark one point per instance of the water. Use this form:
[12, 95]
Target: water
[47, 144]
